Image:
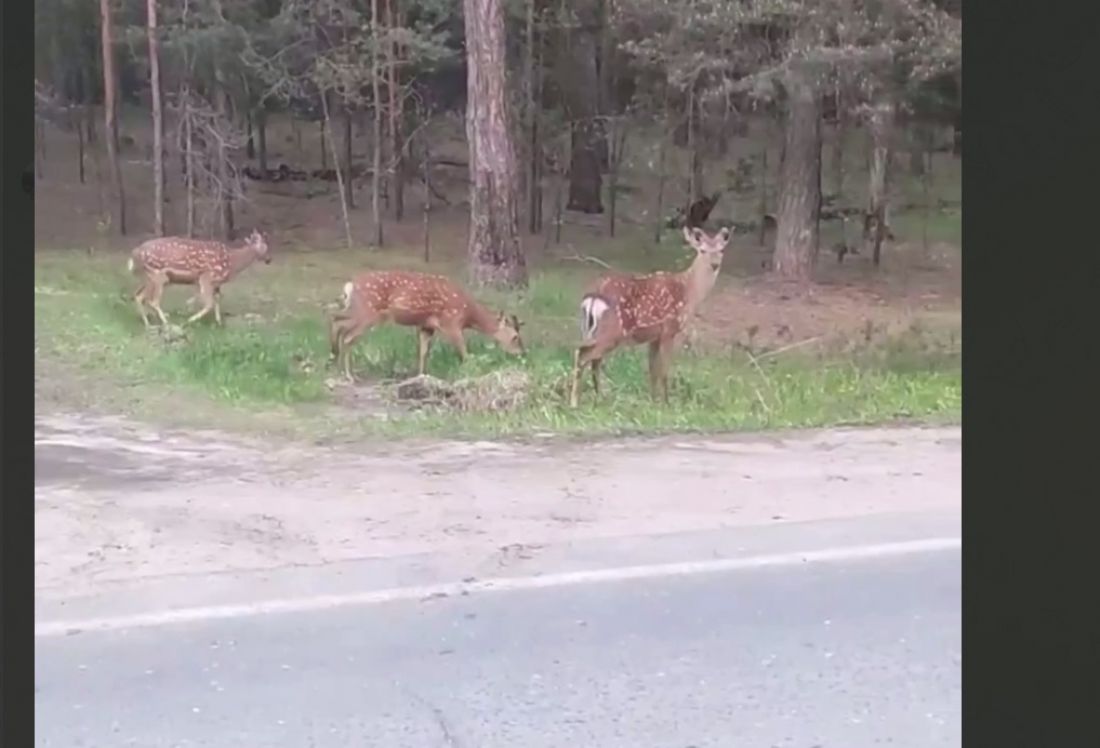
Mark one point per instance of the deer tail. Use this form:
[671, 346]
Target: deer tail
[593, 307]
[349, 288]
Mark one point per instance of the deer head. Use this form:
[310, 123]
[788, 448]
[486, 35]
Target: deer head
[507, 334]
[257, 242]
[709, 247]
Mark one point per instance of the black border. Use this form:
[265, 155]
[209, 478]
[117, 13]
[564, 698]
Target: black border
[1031, 631]
[17, 373]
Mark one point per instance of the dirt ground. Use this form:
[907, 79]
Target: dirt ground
[116, 501]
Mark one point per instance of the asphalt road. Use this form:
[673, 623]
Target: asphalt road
[833, 654]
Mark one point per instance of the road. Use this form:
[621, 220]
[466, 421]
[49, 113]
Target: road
[816, 604]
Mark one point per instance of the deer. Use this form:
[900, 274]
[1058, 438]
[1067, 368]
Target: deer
[175, 260]
[431, 303]
[648, 309]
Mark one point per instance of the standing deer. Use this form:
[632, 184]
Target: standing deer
[175, 260]
[430, 303]
[653, 309]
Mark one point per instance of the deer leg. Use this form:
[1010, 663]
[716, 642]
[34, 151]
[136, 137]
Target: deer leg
[581, 358]
[596, 363]
[654, 356]
[217, 305]
[350, 334]
[206, 292]
[336, 328]
[139, 301]
[664, 355]
[455, 337]
[154, 290]
[425, 335]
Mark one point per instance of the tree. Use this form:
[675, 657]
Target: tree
[581, 86]
[800, 178]
[494, 251]
[109, 111]
[158, 120]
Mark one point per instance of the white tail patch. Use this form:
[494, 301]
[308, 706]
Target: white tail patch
[348, 288]
[130, 265]
[592, 309]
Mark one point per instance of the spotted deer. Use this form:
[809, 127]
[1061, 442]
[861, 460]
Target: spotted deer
[175, 260]
[430, 303]
[654, 309]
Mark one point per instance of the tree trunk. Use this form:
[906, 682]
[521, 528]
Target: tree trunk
[659, 208]
[393, 88]
[349, 191]
[534, 193]
[109, 114]
[225, 188]
[324, 148]
[189, 161]
[261, 132]
[376, 102]
[582, 102]
[326, 122]
[494, 251]
[799, 182]
[763, 186]
[427, 199]
[89, 103]
[158, 120]
[879, 121]
[79, 124]
[250, 141]
[839, 142]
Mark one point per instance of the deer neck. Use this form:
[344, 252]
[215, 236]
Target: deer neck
[240, 258]
[481, 319]
[698, 281]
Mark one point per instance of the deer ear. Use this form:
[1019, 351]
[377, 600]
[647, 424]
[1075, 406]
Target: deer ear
[689, 235]
[515, 322]
[724, 234]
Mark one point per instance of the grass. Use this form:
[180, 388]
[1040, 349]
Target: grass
[267, 368]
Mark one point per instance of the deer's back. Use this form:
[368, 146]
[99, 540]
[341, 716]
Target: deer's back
[184, 260]
[651, 305]
[410, 298]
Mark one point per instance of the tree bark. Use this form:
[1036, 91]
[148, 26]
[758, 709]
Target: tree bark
[261, 133]
[326, 123]
[534, 155]
[494, 251]
[225, 188]
[879, 121]
[799, 182]
[158, 120]
[393, 88]
[582, 89]
[349, 192]
[109, 113]
[376, 102]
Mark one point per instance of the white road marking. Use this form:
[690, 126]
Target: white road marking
[498, 584]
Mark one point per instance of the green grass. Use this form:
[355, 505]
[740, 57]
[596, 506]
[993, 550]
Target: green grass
[268, 367]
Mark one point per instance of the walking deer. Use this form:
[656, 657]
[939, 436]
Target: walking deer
[430, 303]
[176, 260]
[653, 309]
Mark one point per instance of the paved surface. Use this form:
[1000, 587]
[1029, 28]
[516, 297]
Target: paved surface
[840, 654]
[799, 590]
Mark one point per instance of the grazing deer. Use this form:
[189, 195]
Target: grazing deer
[430, 303]
[653, 309]
[175, 260]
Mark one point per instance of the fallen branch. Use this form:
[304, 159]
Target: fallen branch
[586, 258]
[786, 348]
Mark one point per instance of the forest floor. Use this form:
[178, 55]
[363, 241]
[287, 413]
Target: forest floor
[861, 345]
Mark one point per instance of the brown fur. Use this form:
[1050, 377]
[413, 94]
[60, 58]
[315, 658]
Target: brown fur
[430, 303]
[650, 309]
[175, 260]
